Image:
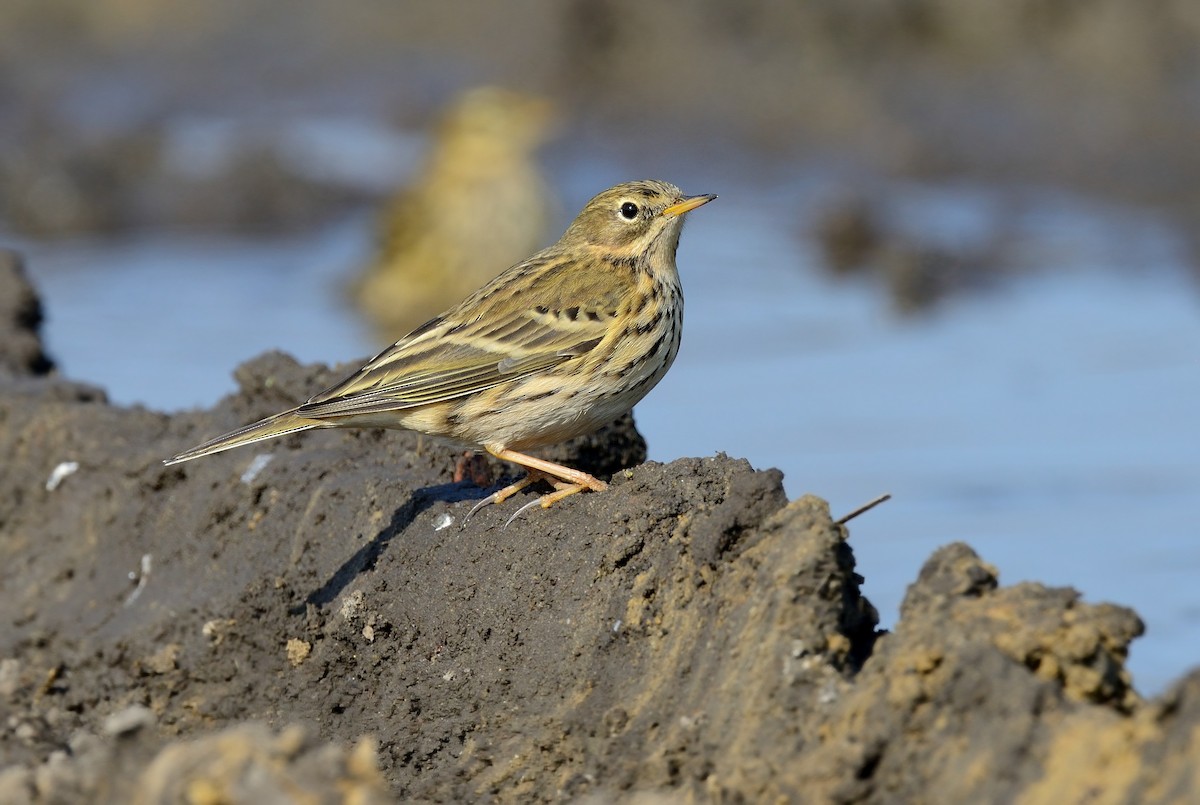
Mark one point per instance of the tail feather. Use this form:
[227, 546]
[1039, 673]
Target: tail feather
[269, 428]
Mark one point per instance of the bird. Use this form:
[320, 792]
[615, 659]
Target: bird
[479, 203]
[556, 346]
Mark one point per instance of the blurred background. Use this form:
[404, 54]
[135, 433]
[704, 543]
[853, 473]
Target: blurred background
[954, 256]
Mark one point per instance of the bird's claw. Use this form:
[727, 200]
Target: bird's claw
[489, 500]
[518, 512]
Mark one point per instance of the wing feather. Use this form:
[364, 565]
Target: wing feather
[451, 367]
[494, 336]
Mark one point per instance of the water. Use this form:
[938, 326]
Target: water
[163, 320]
[1050, 423]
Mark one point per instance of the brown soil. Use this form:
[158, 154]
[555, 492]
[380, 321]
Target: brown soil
[327, 629]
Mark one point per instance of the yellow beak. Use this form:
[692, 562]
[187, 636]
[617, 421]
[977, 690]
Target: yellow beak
[689, 203]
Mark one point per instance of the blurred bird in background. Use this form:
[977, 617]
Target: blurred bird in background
[478, 205]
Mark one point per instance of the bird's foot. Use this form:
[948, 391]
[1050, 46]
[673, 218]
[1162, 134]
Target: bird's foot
[504, 494]
[474, 466]
[562, 489]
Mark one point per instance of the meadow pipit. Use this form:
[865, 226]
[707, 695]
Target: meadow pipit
[555, 347]
[477, 205]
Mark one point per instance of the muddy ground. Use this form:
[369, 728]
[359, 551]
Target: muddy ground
[323, 627]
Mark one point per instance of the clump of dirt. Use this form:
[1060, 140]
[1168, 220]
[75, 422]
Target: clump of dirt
[247, 762]
[688, 632]
[970, 688]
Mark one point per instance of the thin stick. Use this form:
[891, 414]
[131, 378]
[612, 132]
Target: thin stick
[866, 507]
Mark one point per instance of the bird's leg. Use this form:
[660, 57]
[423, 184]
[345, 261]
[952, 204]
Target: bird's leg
[575, 477]
[565, 480]
[474, 466]
[562, 489]
[531, 477]
[507, 492]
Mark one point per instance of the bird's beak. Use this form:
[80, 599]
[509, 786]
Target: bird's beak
[689, 203]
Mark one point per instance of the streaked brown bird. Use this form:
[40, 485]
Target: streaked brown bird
[555, 347]
[479, 204]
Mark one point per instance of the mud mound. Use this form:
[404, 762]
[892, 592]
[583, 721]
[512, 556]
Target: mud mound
[688, 633]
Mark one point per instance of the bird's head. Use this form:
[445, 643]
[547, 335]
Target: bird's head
[633, 219]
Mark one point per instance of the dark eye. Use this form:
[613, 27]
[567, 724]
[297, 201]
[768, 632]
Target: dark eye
[629, 210]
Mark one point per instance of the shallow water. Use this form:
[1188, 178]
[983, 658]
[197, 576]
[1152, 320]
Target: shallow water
[1050, 422]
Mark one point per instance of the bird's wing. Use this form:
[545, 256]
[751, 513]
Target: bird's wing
[443, 360]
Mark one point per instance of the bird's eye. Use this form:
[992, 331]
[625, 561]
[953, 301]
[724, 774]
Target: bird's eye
[629, 210]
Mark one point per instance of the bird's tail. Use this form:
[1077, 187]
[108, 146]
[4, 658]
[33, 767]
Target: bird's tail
[269, 428]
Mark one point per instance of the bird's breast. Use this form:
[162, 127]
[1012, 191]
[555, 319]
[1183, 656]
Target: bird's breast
[584, 393]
